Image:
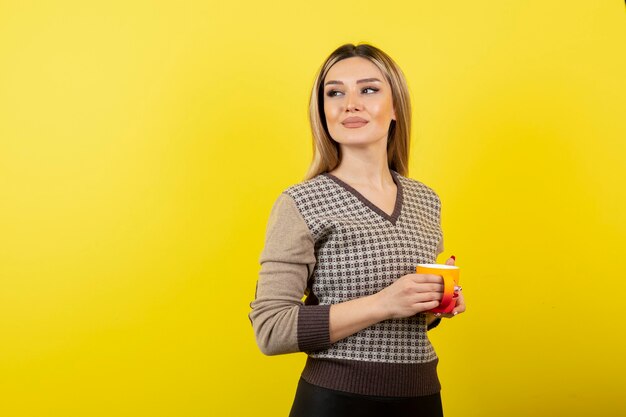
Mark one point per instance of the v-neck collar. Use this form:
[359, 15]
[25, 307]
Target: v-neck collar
[393, 218]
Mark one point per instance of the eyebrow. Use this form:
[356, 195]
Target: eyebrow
[364, 80]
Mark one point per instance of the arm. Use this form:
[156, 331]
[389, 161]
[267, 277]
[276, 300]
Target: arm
[409, 295]
[281, 321]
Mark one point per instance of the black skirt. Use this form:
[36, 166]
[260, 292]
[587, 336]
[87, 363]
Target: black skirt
[314, 401]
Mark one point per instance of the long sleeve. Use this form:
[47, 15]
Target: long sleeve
[281, 321]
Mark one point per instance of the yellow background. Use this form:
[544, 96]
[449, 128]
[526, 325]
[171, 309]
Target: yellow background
[142, 145]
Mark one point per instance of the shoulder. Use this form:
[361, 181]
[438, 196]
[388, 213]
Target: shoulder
[306, 188]
[285, 219]
[298, 197]
[313, 195]
[416, 186]
[417, 192]
[299, 206]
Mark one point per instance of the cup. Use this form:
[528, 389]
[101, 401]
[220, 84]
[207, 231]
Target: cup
[450, 275]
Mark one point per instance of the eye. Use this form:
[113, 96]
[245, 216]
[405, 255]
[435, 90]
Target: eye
[331, 93]
[373, 89]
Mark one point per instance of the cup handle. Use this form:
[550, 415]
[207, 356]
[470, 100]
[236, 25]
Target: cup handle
[448, 293]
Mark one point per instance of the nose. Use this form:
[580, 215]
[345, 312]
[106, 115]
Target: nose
[353, 102]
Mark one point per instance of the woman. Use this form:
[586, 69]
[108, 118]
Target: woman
[349, 238]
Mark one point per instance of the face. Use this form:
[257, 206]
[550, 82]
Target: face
[357, 102]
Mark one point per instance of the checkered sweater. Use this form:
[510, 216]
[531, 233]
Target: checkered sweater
[328, 242]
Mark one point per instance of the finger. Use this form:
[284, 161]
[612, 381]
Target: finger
[427, 278]
[429, 305]
[429, 287]
[459, 306]
[458, 310]
[460, 299]
[454, 313]
[427, 297]
[451, 260]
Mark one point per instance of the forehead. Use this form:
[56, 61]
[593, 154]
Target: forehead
[352, 69]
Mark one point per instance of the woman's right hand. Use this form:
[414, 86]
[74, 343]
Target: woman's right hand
[409, 295]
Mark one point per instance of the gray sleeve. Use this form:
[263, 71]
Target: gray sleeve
[281, 321]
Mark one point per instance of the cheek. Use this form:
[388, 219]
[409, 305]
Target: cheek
[330, 112]
[383, 111]
[379, 111]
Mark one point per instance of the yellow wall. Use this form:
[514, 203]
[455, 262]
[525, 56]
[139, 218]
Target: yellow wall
[142, 145]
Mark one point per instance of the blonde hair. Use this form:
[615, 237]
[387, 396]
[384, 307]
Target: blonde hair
[326, 152]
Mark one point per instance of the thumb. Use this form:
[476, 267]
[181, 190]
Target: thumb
[451, 260]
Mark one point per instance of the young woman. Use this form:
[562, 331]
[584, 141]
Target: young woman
[348, 238]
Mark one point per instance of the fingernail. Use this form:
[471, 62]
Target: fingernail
[455, 313]
[453, 257]
[437, 314]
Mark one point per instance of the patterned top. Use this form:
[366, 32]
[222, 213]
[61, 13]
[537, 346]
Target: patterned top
[348, 248]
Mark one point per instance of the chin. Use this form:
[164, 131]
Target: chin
[356, 141]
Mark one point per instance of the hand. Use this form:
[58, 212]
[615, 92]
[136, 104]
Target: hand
[409, 295]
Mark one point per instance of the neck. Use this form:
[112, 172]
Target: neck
[364, 166]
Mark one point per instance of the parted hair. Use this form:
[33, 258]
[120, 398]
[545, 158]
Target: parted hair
[326, 151]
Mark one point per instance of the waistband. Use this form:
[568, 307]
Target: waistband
[373, 378]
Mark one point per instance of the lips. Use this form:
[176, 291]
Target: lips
[354, 122]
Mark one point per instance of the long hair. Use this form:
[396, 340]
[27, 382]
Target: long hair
[326, 151]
